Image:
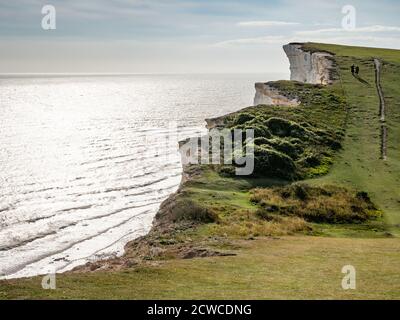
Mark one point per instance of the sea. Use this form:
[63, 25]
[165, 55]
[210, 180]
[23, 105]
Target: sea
[86, 160]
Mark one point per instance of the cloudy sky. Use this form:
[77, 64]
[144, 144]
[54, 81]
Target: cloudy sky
[177, 36]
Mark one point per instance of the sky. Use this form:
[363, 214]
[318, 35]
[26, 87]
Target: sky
[177, 36]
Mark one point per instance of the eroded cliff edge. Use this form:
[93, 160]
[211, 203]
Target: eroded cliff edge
[310, 143]
[315, 67]
[267, 94]
[306, 66]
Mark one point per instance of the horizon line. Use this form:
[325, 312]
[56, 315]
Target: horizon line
[124, 74]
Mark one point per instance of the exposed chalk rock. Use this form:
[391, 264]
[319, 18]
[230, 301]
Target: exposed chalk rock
[305, 66]
[266, 94]
[309, 67]
[217, 122]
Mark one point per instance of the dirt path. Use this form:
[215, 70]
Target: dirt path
[382, 109]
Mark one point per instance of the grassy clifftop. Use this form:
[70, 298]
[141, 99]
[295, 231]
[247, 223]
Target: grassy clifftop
[321, 197]
[359, 164]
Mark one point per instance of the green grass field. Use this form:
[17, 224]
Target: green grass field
[285, 258]
[266, 268]
[359, 163]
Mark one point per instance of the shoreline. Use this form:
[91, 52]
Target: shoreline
[141, 248]
[262, 235]
[147, 250]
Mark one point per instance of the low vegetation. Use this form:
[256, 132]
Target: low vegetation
[295, 143]
[314, 165]
[187, 210]
[295, 267]
[329, 204]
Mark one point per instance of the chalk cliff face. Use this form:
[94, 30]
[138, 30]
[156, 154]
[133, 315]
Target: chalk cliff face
[305, 66]
[266, 94]
[309, 67]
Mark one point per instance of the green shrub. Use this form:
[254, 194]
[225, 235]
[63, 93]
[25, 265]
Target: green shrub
[295, 141]
[311, 160]
[285, 146]
[266, 213]
[326, 204]
[328, 139]
[187, 210]
[286, 128]
[293, 151]
[308, 134]
[331, 142]
[242, 118]
[259, 141]
[306, 125]
[259, 130]
[227, 171]
[269, 162]
[321, 169]
[298, 191]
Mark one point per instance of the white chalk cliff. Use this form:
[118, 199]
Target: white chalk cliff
[306, 67]
[309, 67]
[266, 94]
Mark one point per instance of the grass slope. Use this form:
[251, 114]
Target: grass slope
[266, 268]
[359, 164]
[299, 266]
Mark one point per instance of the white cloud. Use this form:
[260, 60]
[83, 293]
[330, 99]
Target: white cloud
[353, 40]
[378, 28]
[368, 29]
[344, 39]
[254, 41]
[266, 23]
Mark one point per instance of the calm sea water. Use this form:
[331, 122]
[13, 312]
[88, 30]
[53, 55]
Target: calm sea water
[85, 161]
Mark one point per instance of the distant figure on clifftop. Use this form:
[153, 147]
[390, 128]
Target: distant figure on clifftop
[352, 69]
[357, 69]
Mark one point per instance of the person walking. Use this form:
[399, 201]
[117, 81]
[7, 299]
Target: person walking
[357, 70]
[352, 69]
